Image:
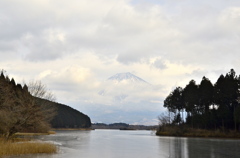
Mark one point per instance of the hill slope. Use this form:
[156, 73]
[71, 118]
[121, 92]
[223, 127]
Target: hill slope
[64, 116]
[22, 112]
[67, 117]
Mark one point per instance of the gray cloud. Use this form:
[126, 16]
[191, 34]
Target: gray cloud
[124, 30]
[74, 46]
[159, 64]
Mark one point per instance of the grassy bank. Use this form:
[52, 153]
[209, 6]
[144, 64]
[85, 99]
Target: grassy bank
[27, 147]
[22, 143]
[181, 131]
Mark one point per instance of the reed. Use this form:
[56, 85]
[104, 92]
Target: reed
[51, 132]
[8, 148]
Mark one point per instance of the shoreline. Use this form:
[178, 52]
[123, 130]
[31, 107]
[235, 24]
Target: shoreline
[198, 136]
[71, 129]
[198, 133]
[34, 134]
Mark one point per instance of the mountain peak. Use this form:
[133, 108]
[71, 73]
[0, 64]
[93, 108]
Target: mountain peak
[126, 76]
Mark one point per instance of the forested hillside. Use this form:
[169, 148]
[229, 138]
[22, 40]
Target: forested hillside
[67, 117]
[23, 109]
[19, 110]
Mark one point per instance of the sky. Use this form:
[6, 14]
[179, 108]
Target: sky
[74, 46]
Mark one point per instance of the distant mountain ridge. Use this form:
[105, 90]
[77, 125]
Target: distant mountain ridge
[123, 126]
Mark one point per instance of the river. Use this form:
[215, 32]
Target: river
[136, 144]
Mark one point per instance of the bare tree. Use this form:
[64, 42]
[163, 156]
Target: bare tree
[164, 119]
[39, 90]
[43, 99]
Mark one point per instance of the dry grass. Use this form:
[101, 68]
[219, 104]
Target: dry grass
[51, 132]
[20, 148]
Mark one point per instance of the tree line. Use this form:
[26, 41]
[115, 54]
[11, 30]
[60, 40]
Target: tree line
[206, 105]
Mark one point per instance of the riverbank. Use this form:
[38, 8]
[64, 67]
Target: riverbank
[202, 133]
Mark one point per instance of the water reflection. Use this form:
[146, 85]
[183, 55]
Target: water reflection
[214, 148]
[174, 147]
[140, 144]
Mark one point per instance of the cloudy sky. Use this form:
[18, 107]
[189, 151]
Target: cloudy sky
[74, 46]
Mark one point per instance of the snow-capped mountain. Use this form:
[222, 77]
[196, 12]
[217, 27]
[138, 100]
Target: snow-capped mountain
[125, 77]
[122, 85]
[127, 96]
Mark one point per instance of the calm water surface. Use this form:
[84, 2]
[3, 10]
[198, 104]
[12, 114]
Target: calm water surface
[136, 144]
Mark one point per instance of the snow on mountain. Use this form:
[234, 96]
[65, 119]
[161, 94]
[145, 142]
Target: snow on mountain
[128, 99]
[122, 85]
[125, 77]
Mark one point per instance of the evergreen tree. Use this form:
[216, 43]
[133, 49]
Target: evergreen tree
[196, 100]
[205, 101]
[226, 98]
[191, 98]
[205, 95]
[174, 102]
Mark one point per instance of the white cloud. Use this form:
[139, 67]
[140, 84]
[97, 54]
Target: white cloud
[74, 46]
